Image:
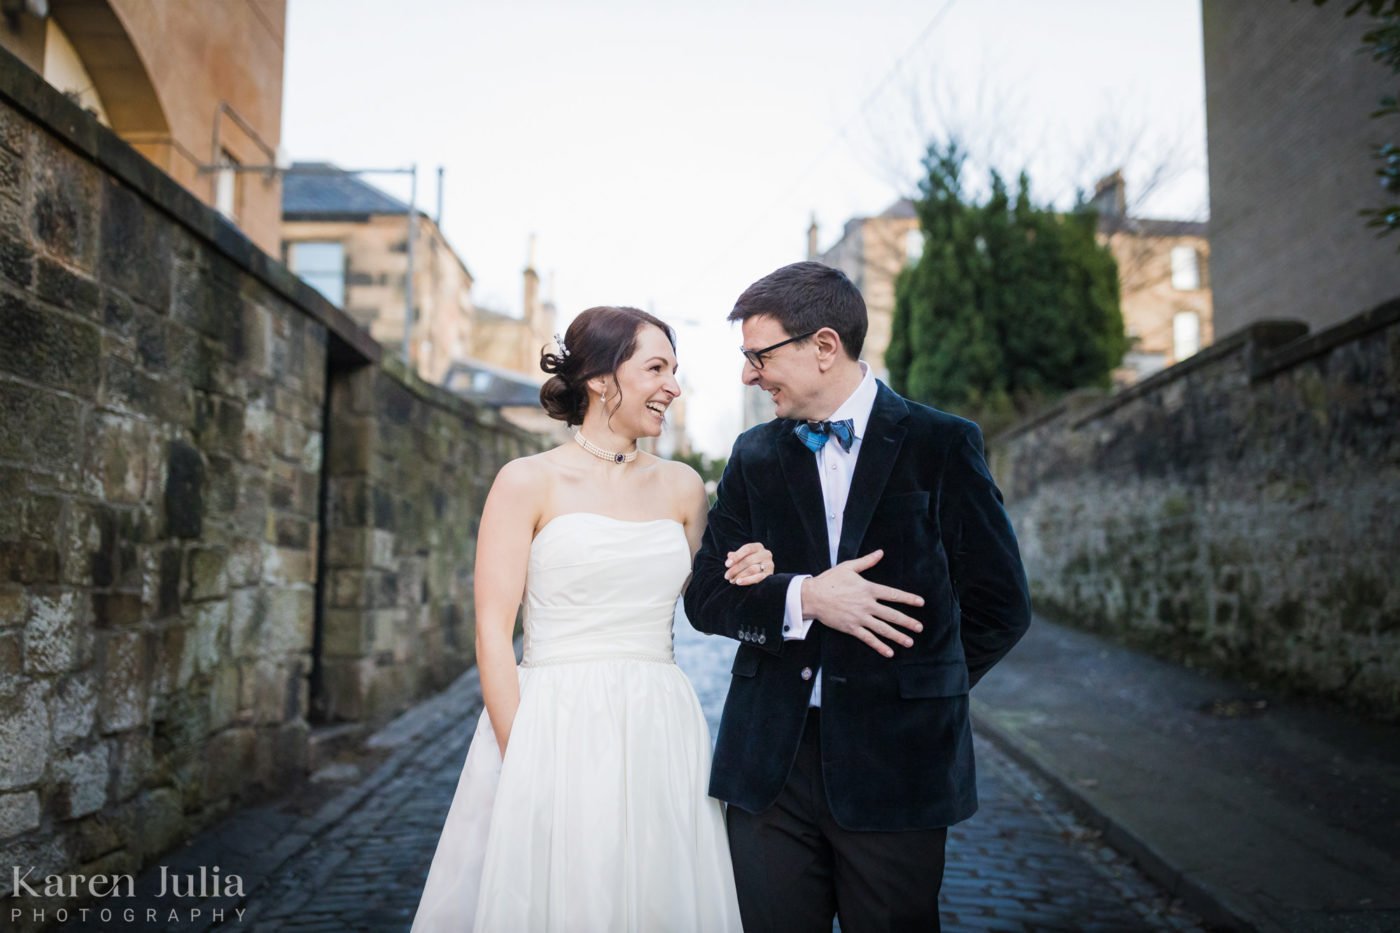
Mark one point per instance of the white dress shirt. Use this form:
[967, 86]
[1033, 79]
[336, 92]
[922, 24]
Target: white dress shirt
[835, 465]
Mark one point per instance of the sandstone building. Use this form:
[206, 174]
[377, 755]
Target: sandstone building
[350, 241]
[872, 252]
[1163, 285]
[195, 87]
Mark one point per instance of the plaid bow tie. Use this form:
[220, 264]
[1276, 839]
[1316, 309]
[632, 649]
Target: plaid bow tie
[816, 433]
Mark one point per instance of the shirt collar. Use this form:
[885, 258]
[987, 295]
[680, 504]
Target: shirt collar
[860, 403]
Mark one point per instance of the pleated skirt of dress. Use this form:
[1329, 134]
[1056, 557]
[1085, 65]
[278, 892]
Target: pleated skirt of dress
[597, 820]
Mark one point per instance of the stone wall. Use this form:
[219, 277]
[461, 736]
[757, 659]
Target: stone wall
[188, 434]
[1237, 511]
[408, 472]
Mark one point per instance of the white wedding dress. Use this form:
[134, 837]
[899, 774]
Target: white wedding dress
[598, 819]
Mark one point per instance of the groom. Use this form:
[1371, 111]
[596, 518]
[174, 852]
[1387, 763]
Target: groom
[845, 749]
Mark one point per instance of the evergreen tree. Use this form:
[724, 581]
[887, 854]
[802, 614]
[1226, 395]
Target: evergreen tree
[945, 346]
[1010, 304]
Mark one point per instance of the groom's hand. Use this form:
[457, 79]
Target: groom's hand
[843, 600]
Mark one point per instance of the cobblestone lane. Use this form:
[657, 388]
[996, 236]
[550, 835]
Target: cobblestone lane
[1022, 863]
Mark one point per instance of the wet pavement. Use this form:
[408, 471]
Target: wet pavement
[1259, 810]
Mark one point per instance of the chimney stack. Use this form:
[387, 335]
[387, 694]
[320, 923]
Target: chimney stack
[438, 219]
[1111, 196]
[532, 336]
[531, 301]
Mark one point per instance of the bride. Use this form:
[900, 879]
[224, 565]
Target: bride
[582, 804]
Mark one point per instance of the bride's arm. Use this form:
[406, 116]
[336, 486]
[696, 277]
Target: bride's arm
[502, 554]
[750, 564]
[696, 505]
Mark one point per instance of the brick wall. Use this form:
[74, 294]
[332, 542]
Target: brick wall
[187, 435]
[1237, 511]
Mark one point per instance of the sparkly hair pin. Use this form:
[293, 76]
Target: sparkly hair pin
[563, 350]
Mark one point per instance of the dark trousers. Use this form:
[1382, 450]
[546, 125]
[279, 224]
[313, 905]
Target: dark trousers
[795, 868]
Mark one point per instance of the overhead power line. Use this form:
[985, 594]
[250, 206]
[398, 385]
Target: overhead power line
[839, 135]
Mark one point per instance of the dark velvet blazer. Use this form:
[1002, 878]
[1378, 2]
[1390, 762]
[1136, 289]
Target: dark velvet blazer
[896, 741]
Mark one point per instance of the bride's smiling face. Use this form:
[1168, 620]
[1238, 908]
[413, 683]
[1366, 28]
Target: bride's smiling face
[644, 386]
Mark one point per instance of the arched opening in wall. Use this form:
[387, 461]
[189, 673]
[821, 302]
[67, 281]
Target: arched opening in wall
[93, 38]
[64, 69]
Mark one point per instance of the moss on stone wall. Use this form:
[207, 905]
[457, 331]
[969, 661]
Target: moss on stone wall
[1234, 512]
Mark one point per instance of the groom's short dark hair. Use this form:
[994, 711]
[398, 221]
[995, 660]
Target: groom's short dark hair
[805, 297]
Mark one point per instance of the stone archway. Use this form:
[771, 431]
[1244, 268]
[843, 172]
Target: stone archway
[129, 99]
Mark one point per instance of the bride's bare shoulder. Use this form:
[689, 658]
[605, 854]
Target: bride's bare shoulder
[522, 488]
[681, 479]
[521, 473]
[679, 473]
[534, 472]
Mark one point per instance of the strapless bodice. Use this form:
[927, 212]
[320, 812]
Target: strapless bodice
[599, 588]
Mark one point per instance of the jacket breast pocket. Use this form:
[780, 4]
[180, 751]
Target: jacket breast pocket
[900, 526]
[907, 504]
[932, 679]
[745, 662]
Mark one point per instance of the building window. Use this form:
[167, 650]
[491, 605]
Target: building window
[1186, 268]
[321, 264]
[1186, 334]
[226, 186]
[913, 247]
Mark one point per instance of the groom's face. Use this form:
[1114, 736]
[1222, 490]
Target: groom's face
[790, 374]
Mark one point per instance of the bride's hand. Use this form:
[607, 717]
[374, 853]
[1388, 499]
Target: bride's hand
[750, 564]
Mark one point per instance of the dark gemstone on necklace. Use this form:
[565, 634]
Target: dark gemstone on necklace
[620, 458]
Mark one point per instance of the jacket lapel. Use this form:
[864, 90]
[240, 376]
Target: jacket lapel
[804, 485]
[884, 436]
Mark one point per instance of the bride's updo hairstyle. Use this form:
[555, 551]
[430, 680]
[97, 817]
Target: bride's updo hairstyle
[597, 342]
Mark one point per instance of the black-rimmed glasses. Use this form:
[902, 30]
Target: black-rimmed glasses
[755, 357]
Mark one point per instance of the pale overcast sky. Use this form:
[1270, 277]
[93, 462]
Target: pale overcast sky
[668, 154]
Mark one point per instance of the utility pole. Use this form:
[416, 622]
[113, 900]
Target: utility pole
[408, 278]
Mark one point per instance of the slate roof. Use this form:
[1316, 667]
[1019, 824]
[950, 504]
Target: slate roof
[1108, 223]
[320, 190]
[482, 311]
[902, 209]
[491, 386]
[1147, 226]
[1142, 226]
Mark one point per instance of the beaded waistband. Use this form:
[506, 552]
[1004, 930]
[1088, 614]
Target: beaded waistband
[617, 656]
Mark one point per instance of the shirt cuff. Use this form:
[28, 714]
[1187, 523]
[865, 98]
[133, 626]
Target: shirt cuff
[795, 627]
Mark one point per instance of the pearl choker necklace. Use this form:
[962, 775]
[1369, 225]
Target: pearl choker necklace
[602, 454]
